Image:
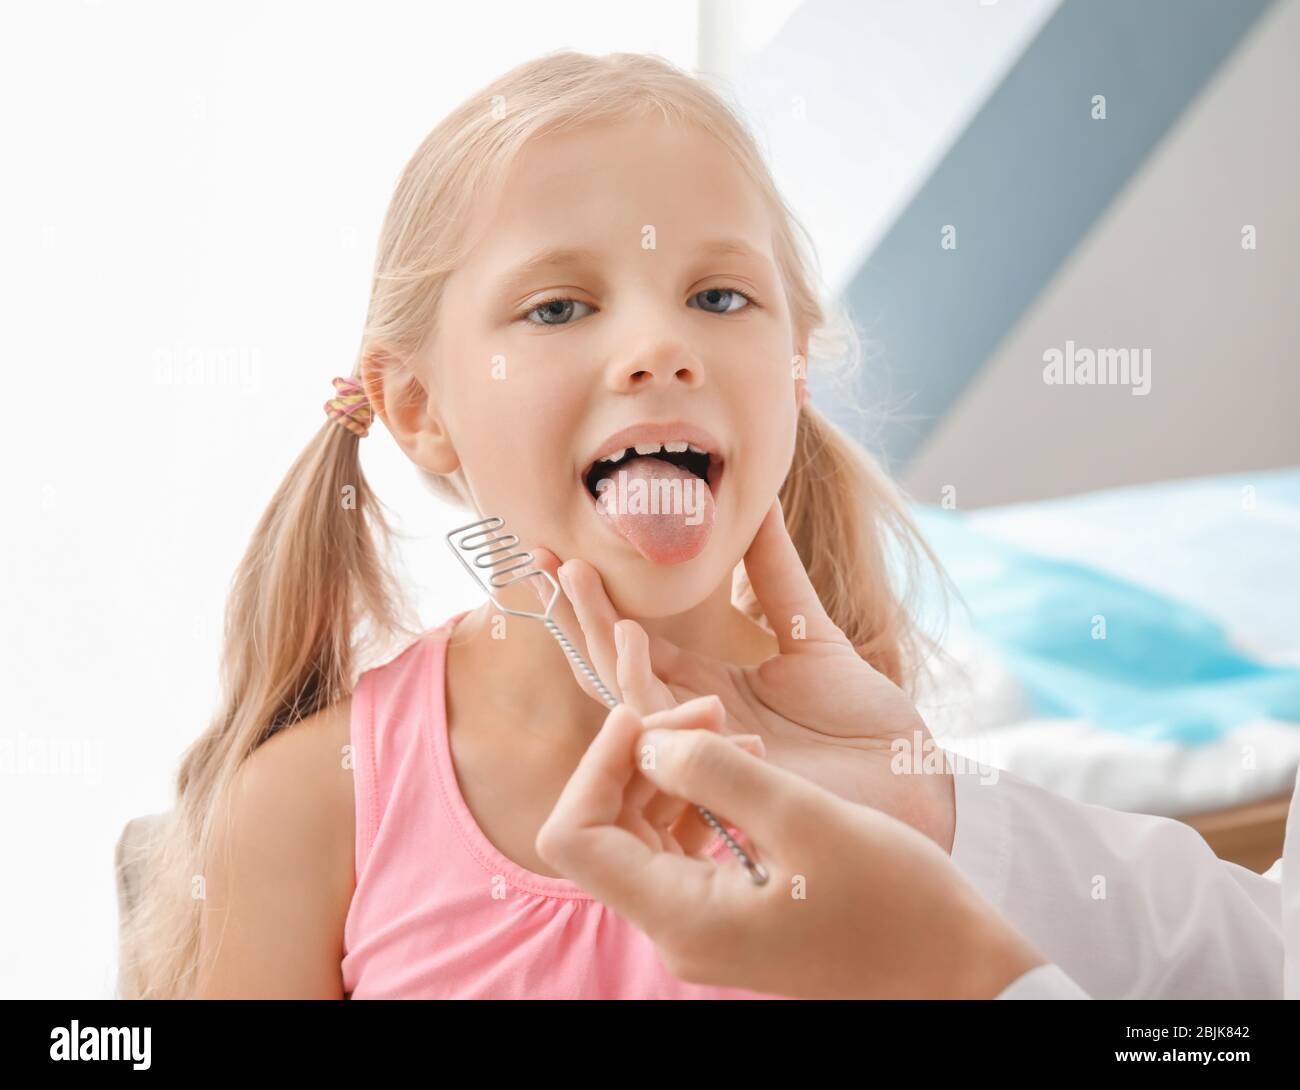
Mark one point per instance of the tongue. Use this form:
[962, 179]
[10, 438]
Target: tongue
[666, 523]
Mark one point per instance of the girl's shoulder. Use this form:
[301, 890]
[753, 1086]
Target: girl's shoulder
[315, 750]
[282, 864]
[312, 740]
[308, 769]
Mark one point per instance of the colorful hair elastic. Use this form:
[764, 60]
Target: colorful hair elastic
[351, 408]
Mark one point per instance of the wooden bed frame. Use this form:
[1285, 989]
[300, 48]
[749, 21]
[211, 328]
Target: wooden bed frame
[1250, 835]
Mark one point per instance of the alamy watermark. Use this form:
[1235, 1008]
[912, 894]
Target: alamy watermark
[24, 755]
[922, 756]
[1098, 367]
[207, 365]
[130, 1044]
[656, 496]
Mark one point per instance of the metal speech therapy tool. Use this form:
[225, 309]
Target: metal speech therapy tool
[490, 556]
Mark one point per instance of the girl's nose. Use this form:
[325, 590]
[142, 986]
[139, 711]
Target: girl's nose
[662, 361]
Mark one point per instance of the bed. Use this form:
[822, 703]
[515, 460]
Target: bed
[1135, 647]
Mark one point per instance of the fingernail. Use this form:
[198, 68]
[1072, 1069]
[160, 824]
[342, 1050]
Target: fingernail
[564, 578]
[619, 639]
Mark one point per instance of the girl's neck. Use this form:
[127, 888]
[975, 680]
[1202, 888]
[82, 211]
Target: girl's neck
[532, 684]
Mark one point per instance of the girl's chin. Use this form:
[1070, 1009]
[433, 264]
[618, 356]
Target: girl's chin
[639, 589]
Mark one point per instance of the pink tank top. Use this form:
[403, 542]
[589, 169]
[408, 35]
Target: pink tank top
[440, 913]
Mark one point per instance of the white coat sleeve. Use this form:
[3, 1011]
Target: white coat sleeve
[1043, 982]
[1127, 906]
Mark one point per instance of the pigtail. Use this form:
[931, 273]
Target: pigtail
[313, 576]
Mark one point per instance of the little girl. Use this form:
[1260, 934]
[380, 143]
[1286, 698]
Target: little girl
[586, 274]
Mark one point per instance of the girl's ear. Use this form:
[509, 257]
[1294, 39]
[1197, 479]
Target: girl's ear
[407, 409]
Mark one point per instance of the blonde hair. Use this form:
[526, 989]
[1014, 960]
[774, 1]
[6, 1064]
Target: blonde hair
[314, 592]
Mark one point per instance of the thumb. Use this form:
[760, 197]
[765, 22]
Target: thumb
[783, 589]
[776, 808]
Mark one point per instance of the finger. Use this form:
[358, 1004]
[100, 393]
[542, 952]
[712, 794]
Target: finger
[606, 787]
[595, 613]
[681, 670]
[689, 828]
[783, 589]
[678, 817]
[582, 840]
[660, 840]
[645, 693]
[563, 615]
[682, 818]
[592, 817]
[596, 791]
[692, 832]
[659, 809]
[636, 678]
[776, 808]
[688, 674]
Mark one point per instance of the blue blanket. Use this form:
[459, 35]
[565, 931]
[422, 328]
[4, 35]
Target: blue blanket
[1085, 643]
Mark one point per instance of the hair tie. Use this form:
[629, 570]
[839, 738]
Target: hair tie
[351, 408]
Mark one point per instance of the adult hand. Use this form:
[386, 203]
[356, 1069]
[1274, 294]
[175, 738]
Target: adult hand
[858, 904]
[820, 709]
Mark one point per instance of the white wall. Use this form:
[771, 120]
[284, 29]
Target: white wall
[190, 186]
[1162, 269]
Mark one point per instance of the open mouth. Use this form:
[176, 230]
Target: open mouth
[655, 486]
[695, 460]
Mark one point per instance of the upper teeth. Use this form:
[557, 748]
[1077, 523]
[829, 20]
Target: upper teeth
[674, 447]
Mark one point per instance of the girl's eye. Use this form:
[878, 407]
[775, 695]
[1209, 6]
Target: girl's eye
[714, 300]
[554, 312]
[720, 300]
